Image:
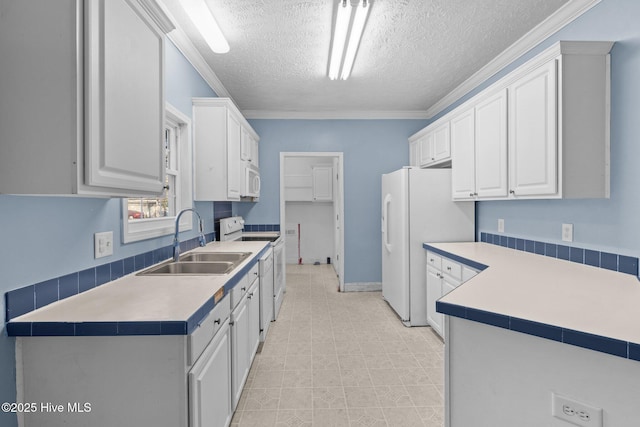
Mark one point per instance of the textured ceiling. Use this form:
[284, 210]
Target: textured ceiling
[413, 52]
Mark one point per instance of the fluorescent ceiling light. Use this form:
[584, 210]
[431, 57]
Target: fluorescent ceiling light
[354, 39]
[339, 37]
[201, 16]
[338, 59]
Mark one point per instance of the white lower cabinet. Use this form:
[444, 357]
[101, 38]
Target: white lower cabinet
[443, 276]
[145, 380]
[239, 349]
[210, 383]
[245, 331]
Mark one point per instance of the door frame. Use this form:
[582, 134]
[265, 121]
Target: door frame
[339, 259]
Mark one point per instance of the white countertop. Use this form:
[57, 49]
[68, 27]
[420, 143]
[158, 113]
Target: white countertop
[549, 291]
[135, 298]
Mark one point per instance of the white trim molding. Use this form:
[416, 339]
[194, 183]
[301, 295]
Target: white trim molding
[363, 287]
[563, 16]
[330, 115]
[180, 39]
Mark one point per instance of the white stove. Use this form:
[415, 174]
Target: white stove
[232, 229]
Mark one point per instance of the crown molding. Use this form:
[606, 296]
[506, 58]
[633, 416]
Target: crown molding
[562, 17]
[158, 14]
[180, 39]
[333, 115]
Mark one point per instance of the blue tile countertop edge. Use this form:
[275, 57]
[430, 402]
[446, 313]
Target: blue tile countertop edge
[35, 329]
[468, 262]
[624, 349]
[609, 261]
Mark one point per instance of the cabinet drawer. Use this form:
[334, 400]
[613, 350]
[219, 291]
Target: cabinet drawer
[452, 268]
[241, 288]
[253, 274]
[434, 260]
[199, 339]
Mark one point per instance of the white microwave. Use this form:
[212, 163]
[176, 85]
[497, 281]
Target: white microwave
[251, 181]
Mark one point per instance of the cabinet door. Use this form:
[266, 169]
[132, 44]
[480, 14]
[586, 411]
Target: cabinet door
[434, 292]
[245, 145]
[255, 152]
[210, 384]
[235, 168]
[239, 350]
[124, 103]
[463, 178]
[426, 149]
[414, 153]
[322, 183]
[491, 146]
[254, 320]
[441, 142]
[533, 157]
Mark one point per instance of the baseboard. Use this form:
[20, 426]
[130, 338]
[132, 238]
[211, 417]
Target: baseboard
[363, 287]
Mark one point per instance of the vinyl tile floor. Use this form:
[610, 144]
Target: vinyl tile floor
[342, 359]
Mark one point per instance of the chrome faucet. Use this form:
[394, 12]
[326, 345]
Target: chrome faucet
[176, 242]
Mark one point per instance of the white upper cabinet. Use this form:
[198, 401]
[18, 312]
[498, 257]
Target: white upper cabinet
[463, 176]
[432, 145]
[441, 143]
[491, 146]
[479, 149]
[322, 183]
[249, 148]
[219, 130]
[82, 98]
[540, 132]
[414, 153]
[559, 123]
[533, 154]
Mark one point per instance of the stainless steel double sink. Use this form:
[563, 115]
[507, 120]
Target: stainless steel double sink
[199, 264]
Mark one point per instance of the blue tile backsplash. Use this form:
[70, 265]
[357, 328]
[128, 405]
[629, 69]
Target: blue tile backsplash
[261, 227]
[620, 263]
[24, 300]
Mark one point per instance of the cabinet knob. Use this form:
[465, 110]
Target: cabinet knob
[243, 289]
[250, 295]
[512, 192]
[471, 194]
[431, 259]
[217, 321]
[449, 268]
[232, 323]
[255, 273]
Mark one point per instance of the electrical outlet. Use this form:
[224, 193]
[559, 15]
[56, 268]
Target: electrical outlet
[575, 412]
[500, 225]
[103, 244]
[567, 232]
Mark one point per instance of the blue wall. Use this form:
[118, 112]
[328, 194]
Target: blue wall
[608, 225]
[370, 147]
[47, 237]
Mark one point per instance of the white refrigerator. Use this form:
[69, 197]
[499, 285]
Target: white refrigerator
[417, 208]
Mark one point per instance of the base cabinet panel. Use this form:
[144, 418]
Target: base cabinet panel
[210, 384]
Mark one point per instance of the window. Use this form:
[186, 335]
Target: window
[145, 218]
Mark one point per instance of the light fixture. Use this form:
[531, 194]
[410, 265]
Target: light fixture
[204, 21]
[341, 34]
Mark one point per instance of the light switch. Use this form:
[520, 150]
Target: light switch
[103, 244]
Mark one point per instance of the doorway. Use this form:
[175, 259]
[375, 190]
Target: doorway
[312, 209]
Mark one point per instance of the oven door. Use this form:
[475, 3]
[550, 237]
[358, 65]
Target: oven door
[252, 181]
